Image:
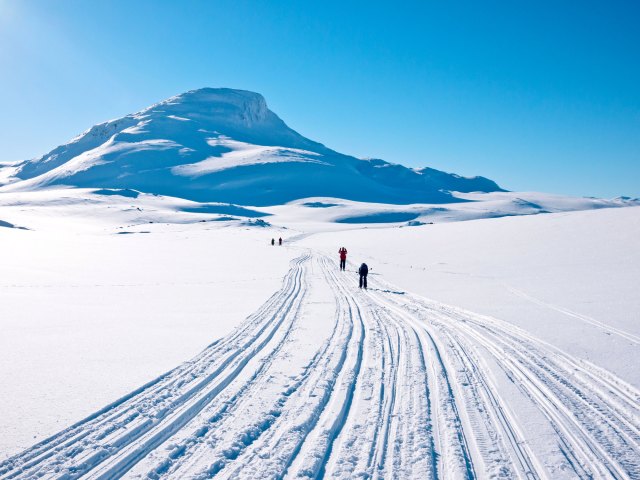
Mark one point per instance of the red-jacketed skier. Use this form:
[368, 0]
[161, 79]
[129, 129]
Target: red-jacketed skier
[343, 257]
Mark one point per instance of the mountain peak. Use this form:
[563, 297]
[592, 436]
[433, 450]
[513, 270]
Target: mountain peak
[225, 145]
[229, 105]
[240, 114]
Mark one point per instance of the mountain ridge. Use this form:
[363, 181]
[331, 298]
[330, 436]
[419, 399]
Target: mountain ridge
[226, 145]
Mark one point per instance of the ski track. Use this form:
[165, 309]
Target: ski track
[591, 321]
[399, 387]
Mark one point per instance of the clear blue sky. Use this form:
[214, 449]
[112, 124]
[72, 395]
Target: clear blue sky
[538, 95]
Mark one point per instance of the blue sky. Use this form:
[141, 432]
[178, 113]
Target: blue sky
[538, 96]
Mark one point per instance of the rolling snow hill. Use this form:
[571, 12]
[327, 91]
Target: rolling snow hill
[225, 145]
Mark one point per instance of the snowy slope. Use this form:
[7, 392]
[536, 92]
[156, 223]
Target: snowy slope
[321, 212]
[496, 348]
[119, 209]
[225, 145]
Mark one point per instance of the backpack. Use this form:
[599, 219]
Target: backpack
[364, 270]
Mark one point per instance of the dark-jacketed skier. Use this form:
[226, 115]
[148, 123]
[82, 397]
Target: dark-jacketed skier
[363, 271]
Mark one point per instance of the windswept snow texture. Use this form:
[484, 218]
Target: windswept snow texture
[316, 213]
[122, 193]
[225, 145]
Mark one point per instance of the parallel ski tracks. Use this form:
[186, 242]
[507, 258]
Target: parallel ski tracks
[594, 414]
[399, 388]
[601, 437]
[132, 427]
[300, 405]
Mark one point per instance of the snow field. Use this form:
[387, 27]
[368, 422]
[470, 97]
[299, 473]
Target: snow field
[86, 318]
[530, 375]
[569, 278]
[390, 385]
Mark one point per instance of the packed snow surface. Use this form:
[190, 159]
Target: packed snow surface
[494, 348]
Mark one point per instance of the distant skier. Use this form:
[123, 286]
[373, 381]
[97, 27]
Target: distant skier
[343, 257]
[273, 242]
[280, 241]
[363, 271]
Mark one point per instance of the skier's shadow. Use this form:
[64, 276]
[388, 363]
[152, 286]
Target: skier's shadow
[386, 291]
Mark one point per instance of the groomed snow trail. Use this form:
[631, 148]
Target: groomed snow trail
[326, 380]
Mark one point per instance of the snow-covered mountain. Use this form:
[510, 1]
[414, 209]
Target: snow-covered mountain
[225, 145]
[194, 347]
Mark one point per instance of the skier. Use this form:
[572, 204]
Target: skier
[363, 271]
[280, 241]
[273, 242]
[343, 257]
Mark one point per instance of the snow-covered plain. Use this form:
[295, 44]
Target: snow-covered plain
[571, 279]
[96, 301]
[503, 347]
